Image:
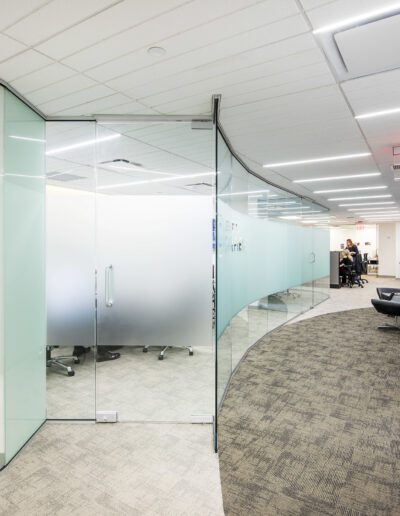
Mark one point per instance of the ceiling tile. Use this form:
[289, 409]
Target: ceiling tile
[75, 99]
[41, 78]
[96, 106]
[229, 50]
[175, 22]
[127, 14]
[12, 11]
[55, 17]
[60, 89]
[24, 63]
[9, 47]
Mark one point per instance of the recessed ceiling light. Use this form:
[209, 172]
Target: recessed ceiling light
[367, 203]
[375, 114]
[156, 51]
[351, 189]
[333, 178]
[316, 160]
[355, 20]
[360, 197]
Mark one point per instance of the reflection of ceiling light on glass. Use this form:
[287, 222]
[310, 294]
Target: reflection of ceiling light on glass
[350, 189]
[26, 138]
[82, 144]
[241, 193]
[139, 169]
[355, 20]
[300, 212]
[156, 51]
[375, 114]
[391, 208]
[316, 160]
[374, 214]
[160, 180]
[290, 217]
[366, 203]
[360, 197]
[334, 178]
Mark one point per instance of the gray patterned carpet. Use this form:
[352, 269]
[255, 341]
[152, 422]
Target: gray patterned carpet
[311, 421]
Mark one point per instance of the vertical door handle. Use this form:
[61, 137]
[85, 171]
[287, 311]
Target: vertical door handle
[312, 257]
[109, 286]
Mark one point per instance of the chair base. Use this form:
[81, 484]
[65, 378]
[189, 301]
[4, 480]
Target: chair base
[58, 362]
[164, 349]
[389, 327]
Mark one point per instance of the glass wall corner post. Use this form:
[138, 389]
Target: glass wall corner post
[22, 257]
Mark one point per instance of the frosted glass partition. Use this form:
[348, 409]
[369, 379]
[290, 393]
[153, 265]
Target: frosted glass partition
[272, 260]
[22, 305]
[70, 269]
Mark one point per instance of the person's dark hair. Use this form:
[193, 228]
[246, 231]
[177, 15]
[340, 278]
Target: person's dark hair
[349, 242]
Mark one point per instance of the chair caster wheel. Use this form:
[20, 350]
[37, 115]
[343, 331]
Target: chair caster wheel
[77, 361]
[145, 350]
[160, 357]
[71, 373]
[190, 353]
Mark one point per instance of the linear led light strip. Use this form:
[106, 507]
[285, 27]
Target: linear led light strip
[375, 114]
[336, 190]
[355, 20]
[317, 160]
[82, 144]
[359, 197]
[160, 180]
[371, 209]
[334, 178]
[366, 203]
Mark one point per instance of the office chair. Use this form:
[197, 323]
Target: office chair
[351, 277]
[390, 308]
[58, 361]
[164, 349]
[361, 267]
[387, 293]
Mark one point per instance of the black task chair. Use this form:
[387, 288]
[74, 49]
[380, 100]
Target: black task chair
[361, 267]
[390, 308]
[351, 277]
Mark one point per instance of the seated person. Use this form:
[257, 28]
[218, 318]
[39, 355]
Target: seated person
[351, 247]
[346, 260]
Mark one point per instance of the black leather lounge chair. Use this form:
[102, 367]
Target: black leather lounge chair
[391, 308]
[388, 293]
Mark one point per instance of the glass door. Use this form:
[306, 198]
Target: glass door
[154, 186]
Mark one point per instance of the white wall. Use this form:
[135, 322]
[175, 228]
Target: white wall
[387, 249]
[368, 233]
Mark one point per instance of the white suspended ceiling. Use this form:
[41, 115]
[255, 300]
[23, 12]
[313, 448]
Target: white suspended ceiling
[283, 98]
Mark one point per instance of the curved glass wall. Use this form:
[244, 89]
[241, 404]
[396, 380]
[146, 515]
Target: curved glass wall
[272, 260]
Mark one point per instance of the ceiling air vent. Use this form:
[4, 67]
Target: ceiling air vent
[56, 176]
[396, 163]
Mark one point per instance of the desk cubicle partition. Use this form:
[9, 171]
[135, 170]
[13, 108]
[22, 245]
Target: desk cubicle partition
[272, 262]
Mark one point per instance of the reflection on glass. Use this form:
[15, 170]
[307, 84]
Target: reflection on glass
[70, 270]
[22, 190]
[154, 261]
[271, 263]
